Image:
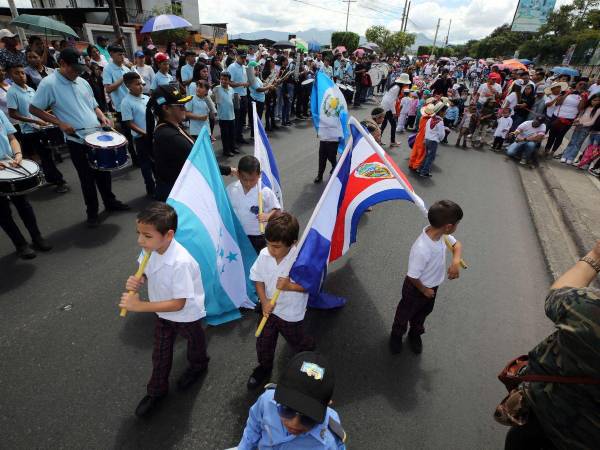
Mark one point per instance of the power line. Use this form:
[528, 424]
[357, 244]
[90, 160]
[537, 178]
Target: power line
[333, 10]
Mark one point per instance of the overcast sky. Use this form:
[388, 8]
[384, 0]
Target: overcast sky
[471, 19]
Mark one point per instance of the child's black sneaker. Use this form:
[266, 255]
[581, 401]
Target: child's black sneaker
[395, 344]
[258, 377]
[416, 344]
[147, 405]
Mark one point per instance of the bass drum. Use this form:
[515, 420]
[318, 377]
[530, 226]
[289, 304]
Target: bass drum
[376, 75]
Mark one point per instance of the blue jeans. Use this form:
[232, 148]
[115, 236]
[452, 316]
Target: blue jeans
[528, 148]
[288, 96]
[431, 147]
[577, 139]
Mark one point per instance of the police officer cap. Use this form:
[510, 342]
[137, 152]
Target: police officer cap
[306, 385]
[115, 49]
[170, 95]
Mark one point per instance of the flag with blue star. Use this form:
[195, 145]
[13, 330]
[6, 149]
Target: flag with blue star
[209, 229]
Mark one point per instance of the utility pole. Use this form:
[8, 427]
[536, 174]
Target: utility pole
[406, 18]
[348, 11]
[115, 21]
[14, 13]
[403, 15]
[448, 35]
[435, 38]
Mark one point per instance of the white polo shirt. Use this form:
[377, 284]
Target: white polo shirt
[246, 205]
[427, 260]
[172, 275]
[291, 306]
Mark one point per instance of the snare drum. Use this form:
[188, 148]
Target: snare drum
[107, 150]
[308, 81]
[20, 180]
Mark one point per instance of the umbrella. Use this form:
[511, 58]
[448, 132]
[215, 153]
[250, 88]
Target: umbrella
[514, 64]
[314, 46]
[164, 22]
[526, 61]
[339, 49]
[371, 46]
[565, 71]
[300, 44]
[43, 24]
[283, 44]
[359, 52]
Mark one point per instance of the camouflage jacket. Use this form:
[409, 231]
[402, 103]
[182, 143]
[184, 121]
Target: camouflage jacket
[569, 413]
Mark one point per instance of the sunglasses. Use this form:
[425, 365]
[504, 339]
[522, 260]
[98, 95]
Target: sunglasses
[289, 414]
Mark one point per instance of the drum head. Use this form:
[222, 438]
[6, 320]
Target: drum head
[105, 139]
[310, 80]
[376, 76]
[28, 168]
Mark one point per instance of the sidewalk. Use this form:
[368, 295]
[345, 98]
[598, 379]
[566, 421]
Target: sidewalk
[565, 207]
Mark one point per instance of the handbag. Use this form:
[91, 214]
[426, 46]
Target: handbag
[513, 410]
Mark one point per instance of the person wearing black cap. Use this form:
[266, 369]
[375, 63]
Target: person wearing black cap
[295, 412]
[75, 111]
[171, 145]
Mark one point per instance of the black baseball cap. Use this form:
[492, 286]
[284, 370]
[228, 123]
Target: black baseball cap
[170, 95]
[72, 57]
[101, 38]
[306, 385]
[115, 49]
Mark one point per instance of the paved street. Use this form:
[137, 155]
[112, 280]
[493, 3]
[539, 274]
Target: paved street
[73, 371]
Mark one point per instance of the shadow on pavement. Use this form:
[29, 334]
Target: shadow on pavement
[78, 235]
[19, 272]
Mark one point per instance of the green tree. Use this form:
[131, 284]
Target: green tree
[378, 34]
[387, 41]
[166, 36]
[346, 38]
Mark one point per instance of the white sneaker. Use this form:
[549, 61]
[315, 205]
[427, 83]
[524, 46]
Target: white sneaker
[523, 162]
[563, 160]
[569, 161]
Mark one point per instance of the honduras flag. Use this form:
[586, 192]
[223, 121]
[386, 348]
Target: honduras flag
[329, 110]
[209, 229]
[364, 176]
[264, 153]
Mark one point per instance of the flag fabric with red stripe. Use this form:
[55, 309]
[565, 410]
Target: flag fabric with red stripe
[364, 176]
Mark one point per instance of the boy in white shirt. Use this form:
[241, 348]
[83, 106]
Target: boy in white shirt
[175, 294]
[270, 273]
[502, 129]
[243, 195]
[435, 131]
[426, 271]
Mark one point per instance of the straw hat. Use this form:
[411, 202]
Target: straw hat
[445, 101]
[403, 79]
[429, 100]
[428, 110]
[439, 106]
[563, 87]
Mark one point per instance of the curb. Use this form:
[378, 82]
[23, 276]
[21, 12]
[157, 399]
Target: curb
[571, 217]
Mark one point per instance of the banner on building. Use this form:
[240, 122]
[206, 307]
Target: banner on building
[532, 14]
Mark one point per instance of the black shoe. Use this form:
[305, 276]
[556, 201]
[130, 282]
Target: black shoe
[258, 377]
[416, 345]
[25, 252]
[188, 378]
[62, 188]
[395, 344]
[424, 175]
[116, 205]
[318, 180]
[146, 405]
[41, 244]
[93, 221]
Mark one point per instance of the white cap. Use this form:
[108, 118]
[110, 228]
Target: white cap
[6, 33]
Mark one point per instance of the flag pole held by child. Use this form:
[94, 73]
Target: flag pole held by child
[138, 275]
[396, 175]
[260, 207]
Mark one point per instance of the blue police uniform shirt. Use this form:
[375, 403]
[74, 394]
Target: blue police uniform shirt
[265, 430]
[161, 79]
[238, 75]
[110, 74]
[200, 107]
[6, 128]
[134, 108]
[258, 96]
[187, 72]
[224, 103]
[72, 102]
[19, 98]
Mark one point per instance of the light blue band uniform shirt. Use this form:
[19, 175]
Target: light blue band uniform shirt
[134, 108]
[111, 74]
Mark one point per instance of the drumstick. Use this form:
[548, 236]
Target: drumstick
[138, 276]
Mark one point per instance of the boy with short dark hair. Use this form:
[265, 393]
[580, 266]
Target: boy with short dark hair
[176, 295]
[295, 412]
[226, 113]
[243, 195]
[426, 271]
[133, 115]
[270, 273]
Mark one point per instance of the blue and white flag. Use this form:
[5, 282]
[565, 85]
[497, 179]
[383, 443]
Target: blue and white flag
[329, 110]
[209, 229]
[264, 153]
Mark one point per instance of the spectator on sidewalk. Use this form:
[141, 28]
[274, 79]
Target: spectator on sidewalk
[529, 136]
[564, 415]
[569, 105]
[583, 125]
